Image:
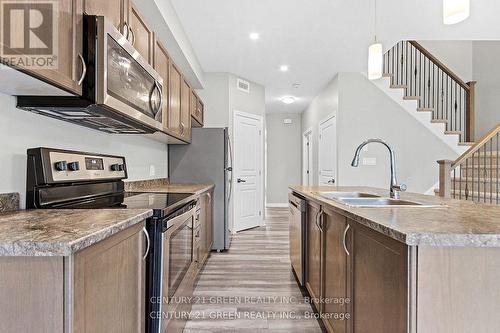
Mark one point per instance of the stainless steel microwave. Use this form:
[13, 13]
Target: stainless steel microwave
[121, 92]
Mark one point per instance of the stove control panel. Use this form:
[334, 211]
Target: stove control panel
[74, 166]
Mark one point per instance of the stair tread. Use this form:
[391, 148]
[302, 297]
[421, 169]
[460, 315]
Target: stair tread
[387, 75]
[444, 121]
[452, 132]
[466, 143]
[425, 110]
[398, 86]
[412, 98]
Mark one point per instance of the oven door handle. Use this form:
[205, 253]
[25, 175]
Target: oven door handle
[148, 242]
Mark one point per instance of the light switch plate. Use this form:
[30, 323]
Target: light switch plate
[369, 161]
[152, 170]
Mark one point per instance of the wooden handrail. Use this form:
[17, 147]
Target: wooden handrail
[442, 66]
[478, 145]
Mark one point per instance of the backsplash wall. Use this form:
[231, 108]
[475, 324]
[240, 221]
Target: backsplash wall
[20, 130]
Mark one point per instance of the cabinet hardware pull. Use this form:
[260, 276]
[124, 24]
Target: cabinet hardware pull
[84, 70]
[209, 197]
[125, 30]
[182, 127]
[149, 243]
[318, 217]
[344, 240]
[132, 34]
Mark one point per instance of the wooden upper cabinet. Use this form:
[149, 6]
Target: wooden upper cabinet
[379, 268]
[335, 273]
[109, 285]
[116, 11]
[141, 36]
[185, 110]
[69, 69]
[313, 253]
[196, 110]
[174, 110]
[161, 63]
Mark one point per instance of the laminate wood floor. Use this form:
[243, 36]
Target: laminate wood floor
[251, 287]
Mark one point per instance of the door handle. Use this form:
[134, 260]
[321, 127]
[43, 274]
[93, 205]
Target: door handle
[239, 180]
[125, 30]
[84, 70]
[331, 181]
[344, 240]
[149, 243]
[318, 219]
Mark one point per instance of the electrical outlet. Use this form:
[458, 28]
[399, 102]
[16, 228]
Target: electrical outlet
[369, 161]
[152, 170]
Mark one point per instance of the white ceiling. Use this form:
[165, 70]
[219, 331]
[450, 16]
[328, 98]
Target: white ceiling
[315, 38]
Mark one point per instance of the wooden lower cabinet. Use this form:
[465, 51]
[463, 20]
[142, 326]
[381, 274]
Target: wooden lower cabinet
[379, 275]
[360, 275]
[313, 253]
[335, 273]
[100, 289]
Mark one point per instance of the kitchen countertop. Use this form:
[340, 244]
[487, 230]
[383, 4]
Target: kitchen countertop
[457, 223]
[62, 232]
[195, 189]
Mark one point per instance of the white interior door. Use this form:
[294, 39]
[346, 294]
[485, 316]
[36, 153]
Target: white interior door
[307, 158]
[248, 184]
[327, 151]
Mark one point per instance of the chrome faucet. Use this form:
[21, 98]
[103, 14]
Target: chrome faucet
[395, 187]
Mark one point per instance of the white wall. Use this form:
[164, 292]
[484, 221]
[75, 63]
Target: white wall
[456, 55]
[322, 106]
[20, 130]
[284, 155]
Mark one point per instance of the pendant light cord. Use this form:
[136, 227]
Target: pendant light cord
[375, 21]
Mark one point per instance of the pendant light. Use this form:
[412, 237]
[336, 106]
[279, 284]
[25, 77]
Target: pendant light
[455, 11]
[375, 54]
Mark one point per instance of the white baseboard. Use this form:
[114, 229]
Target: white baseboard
[277, 205]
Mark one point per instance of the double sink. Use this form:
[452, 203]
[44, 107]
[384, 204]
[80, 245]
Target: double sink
[358, 199]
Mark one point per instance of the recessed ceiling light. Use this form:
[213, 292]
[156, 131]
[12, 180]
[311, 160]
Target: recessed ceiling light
[284, 68]
[288, 99]
[254, 36]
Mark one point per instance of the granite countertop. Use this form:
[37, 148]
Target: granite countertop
[452, 223]
[62, 232]
[164, 187]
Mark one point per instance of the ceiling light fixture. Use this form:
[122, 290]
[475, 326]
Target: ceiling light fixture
[284, 68]
[288, 99]
[375, 55]
[455, 11]
[254, 36]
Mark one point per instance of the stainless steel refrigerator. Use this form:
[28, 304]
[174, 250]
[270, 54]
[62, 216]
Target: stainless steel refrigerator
[208, 159]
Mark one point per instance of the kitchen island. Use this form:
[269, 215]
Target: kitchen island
[429, 268]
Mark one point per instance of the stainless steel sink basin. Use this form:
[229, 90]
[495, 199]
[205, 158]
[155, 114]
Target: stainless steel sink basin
[346, 195]
[379, 202]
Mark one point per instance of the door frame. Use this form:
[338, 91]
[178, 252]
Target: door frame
[260, 119]
[324, 120]
[310, 160]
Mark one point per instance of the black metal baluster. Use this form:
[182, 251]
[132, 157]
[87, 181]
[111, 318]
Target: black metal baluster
[460, 184]
[497, 167]
[454, 182]
[467, 179]
[472, 176]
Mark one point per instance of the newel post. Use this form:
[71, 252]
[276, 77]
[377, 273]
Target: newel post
[470, 115]
[445, 178]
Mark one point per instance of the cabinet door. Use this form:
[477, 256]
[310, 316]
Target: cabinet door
[109, 285]
[116, 11]
[185, 110]
[203, 226]
[174, 111]
[313, 253]
[335, 273]
[69, 67]
[161, 63]
[196, 114]
[140, 35]
[379, 281]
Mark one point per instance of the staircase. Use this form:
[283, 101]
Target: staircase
[475, 175]
[431, 93]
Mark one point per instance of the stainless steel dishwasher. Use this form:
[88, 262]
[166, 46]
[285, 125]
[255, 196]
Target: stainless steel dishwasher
[297, 230]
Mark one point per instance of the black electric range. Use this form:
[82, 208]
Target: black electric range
[59, 179]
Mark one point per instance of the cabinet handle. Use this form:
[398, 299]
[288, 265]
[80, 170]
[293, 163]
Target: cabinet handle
[84, 70]
[132, 34]
[182, 127]
[125, 30]
[209, 197]
[318, 217]
[344, 239]
[149, 243]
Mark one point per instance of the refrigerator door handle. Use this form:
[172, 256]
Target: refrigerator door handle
[230, 168]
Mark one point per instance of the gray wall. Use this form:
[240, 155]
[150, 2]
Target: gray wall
[487, 75]
[367, 112]
[20, 130]
[284, 151]
[474, 60]
[322, 106]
